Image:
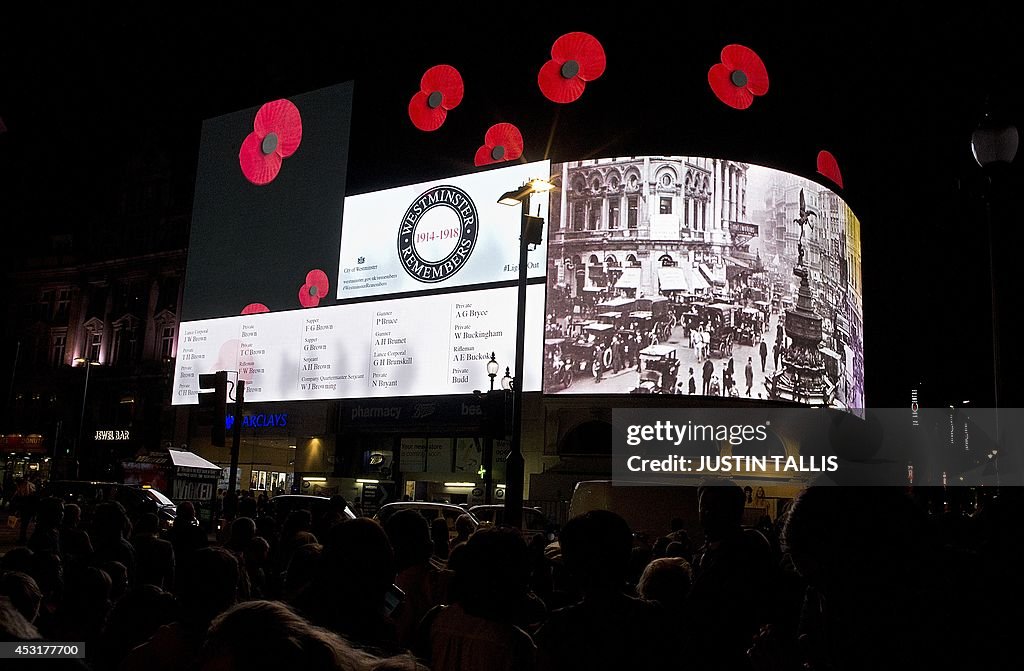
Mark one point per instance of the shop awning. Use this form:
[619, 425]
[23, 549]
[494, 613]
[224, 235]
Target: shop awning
[191, 460]
[733, 261]
[630, 279]
[710, 275]
[673, 278]
[681, 278]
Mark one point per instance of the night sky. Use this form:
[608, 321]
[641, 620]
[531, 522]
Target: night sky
[893, 96]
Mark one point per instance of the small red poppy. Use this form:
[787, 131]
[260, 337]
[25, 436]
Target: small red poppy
[576, 58]
[255, 309]
[277, 133]
[441, 90]
[502, 142]
[739, 77]
[829, 167]
[314, 289]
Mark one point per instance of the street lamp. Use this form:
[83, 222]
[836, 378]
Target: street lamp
[88, 363]
[506, 381]
[530, 231]
[492, 369]
[994, 146]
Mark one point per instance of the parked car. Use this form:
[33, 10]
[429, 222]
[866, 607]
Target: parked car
[281, 505]
[136, 499]
[430, 511]
[535, 522]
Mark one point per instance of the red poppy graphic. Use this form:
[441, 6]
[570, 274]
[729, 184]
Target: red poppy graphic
[277, 132]
[314, 289]
[829, 167]
[739, 77]
[441, 90]
[502, 142]
[576, 58]
[255, 309]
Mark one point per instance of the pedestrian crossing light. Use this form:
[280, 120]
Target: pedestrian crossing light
[213, 400]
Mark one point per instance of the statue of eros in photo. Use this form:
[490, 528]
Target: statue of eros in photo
[804, 221]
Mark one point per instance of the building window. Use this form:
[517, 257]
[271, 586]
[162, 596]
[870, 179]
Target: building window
[45, 308]
[95, 342]
[613, 214]
[579, 216]
[167, 342]
[63, 304]
[665, 206]
[57, 348]
[594, 221]
[631, 215]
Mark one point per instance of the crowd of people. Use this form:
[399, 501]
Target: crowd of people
[844, 579]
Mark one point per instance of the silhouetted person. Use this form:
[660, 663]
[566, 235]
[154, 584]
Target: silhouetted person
[83, 612]
[286, 641]
[439, 536]
[300, 571]
[49, 517]
[75, 544]
[186, 535]
[208, 587]
[733, 566]
[463, 530]
[133, 620]
[357, 570]
[110, 527]
[607, 629]
[154, 556]
[667, 581]
[422, 579]
[25, 498]
[22, 590]
[478, 631]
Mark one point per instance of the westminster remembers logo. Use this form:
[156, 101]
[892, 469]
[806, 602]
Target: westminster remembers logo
[437, 234]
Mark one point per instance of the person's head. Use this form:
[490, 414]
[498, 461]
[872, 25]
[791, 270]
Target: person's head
[209, 584]
[17, 559]
[14, 626]
[409, 533]
[439, 534]
[148, 525]
[358, 560]
[691, 371]
[596, 549]
[667, 581]
[302, 568]
[286, 640]
[720, 504]
[50, 513]
[186, 513]
[23, 592]
[257, 551]
[118, 573]
[110, 522]
[72, 515]
[464, 526]
[296, 521]
[243, 530]
[493, 572]
[678, 524]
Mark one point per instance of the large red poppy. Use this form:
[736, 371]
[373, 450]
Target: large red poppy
[276, 134]
[739, 77]
[502, 142]
[255, 309]
[441, 90]
[576, 58]
[314, 289]
[829, 167]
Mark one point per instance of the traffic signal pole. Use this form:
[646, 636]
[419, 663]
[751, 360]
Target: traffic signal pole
[236, 436]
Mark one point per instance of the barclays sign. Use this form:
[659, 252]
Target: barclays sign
[259, 421]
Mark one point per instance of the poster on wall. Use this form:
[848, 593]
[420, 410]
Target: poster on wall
[439, 455]
[469, 454]
[412, 455]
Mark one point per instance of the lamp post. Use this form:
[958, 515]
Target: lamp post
[994, 146]
[88, 363]
[529, 233]
[492, 369]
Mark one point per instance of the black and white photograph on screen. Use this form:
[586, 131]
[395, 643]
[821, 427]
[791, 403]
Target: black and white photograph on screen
[702, 276]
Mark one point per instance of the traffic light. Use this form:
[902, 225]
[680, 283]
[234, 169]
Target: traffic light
[213, 401]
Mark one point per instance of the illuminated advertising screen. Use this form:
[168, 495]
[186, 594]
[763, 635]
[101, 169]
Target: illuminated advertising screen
[702, 276]
[448, 233]
[306, 294]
